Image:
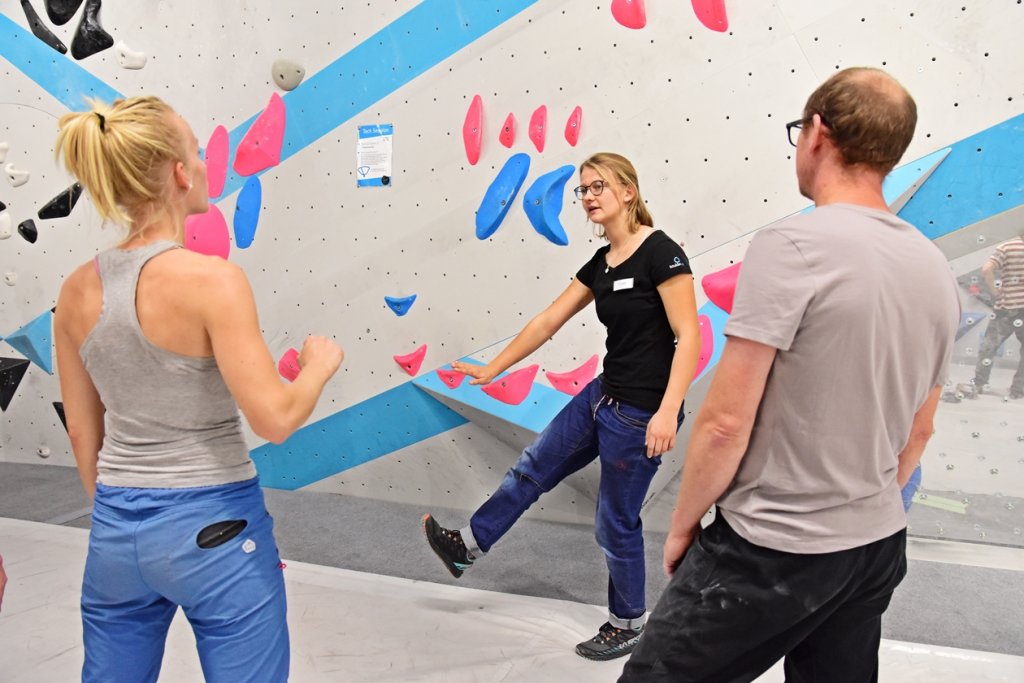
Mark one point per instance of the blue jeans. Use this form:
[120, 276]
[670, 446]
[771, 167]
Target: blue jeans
[145, 560]
[592, 425]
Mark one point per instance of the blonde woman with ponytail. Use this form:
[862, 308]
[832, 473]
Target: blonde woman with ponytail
[643, 288]
[157, 350]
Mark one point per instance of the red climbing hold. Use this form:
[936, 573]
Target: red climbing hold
[288, 366]
[507, 136]
[261, 147]
[217, 160]
[411, 362]
[473, 130]
[711, 13]
[572, 126]
[514, 387]
[721, 286]
[572, 382]
[707, 343]
[451, 378]
[629, 13]
[207, 233]
[539, 127]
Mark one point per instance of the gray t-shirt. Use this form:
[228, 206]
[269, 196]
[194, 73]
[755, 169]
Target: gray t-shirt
[863, 310]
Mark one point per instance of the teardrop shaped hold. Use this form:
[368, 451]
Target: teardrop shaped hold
[61, 205]
[574, 381]
[40, 29]
[507, 136]
[720, 286]
[61, 11]
[473, 130]
[543, 203]
[90, 37]
[514, 387]
[539, 127]
[15, 176]
[27, 229]
[411, 362]
[207, 233]
[451, 378]
[400, 304]
[630, 13]
[11, 372]
[572, 126]
[247, 212]
[707, 344]
[711, 13]
[287, 74]
[216, 157]
[261, 147]
[288, 366]
[500, 195]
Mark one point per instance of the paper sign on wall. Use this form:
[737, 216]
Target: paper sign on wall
[373, 155]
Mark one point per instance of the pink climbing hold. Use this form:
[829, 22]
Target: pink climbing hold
[707, 343]
[514, 387]
[539, 127]
[411, 362]
[721, 286]
[473, 130]
[288, 366]
[207, 233]
[572, 382]
[216, 154]
[261, 147]
[630, 13]
[507, 136]
[451, 378]
[711, 13]
[572, 126]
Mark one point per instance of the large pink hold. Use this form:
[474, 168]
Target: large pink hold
[514, 387]
[572, 126]
[217, 161]
[473, 130]
[539, 127]
[721, 286]
[707, 343]
[411, 362]
[711, 13]
[574, 381]
[288, 366]
[207, 233]
[630, 13]
[261, 147]
[507, 136]
[451, 378]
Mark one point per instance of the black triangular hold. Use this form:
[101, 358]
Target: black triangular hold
[61, 205]
[90, 37]
[61, 11]
[2, 206]
[59, 407]
[27, 229]
[11, 372]
[40, 30]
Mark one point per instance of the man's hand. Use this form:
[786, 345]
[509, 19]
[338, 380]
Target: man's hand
[676, 546]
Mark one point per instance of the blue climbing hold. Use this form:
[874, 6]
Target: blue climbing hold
[500, 195]
[543, 202]
[968, 321]
[35, 341]
[247, 212]
[400, 305]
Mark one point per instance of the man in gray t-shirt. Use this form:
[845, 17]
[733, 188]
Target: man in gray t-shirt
[840, 335]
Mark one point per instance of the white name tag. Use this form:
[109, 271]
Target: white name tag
[626, 283]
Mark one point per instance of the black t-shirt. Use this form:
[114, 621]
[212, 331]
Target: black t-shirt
[640, 340]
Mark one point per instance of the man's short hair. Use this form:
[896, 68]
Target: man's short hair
[870, 117]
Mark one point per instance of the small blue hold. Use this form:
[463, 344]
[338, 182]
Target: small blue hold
[247, 212]
[400, 305]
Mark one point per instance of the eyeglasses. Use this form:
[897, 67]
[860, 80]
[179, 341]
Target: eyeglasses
[798, 125]
[596, 188]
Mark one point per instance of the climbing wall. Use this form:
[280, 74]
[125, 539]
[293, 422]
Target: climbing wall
[491, 102]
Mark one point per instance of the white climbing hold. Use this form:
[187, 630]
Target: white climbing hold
[5, 226]
[129, 58]
[3, 151]
[15, 176]
[287, 74]
[43, 452]
[11, 279]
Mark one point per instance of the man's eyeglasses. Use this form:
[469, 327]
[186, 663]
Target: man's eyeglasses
[798, 125]
[595, 188]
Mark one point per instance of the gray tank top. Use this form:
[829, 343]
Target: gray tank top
[170, 420]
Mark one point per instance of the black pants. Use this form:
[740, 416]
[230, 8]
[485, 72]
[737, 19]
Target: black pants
[733, 609]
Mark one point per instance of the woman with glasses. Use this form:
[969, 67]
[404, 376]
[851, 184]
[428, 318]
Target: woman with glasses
[628, 416]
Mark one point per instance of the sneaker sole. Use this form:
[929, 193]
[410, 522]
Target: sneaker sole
[452, 569]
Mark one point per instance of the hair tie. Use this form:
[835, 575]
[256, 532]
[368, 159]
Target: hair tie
[103, 122]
